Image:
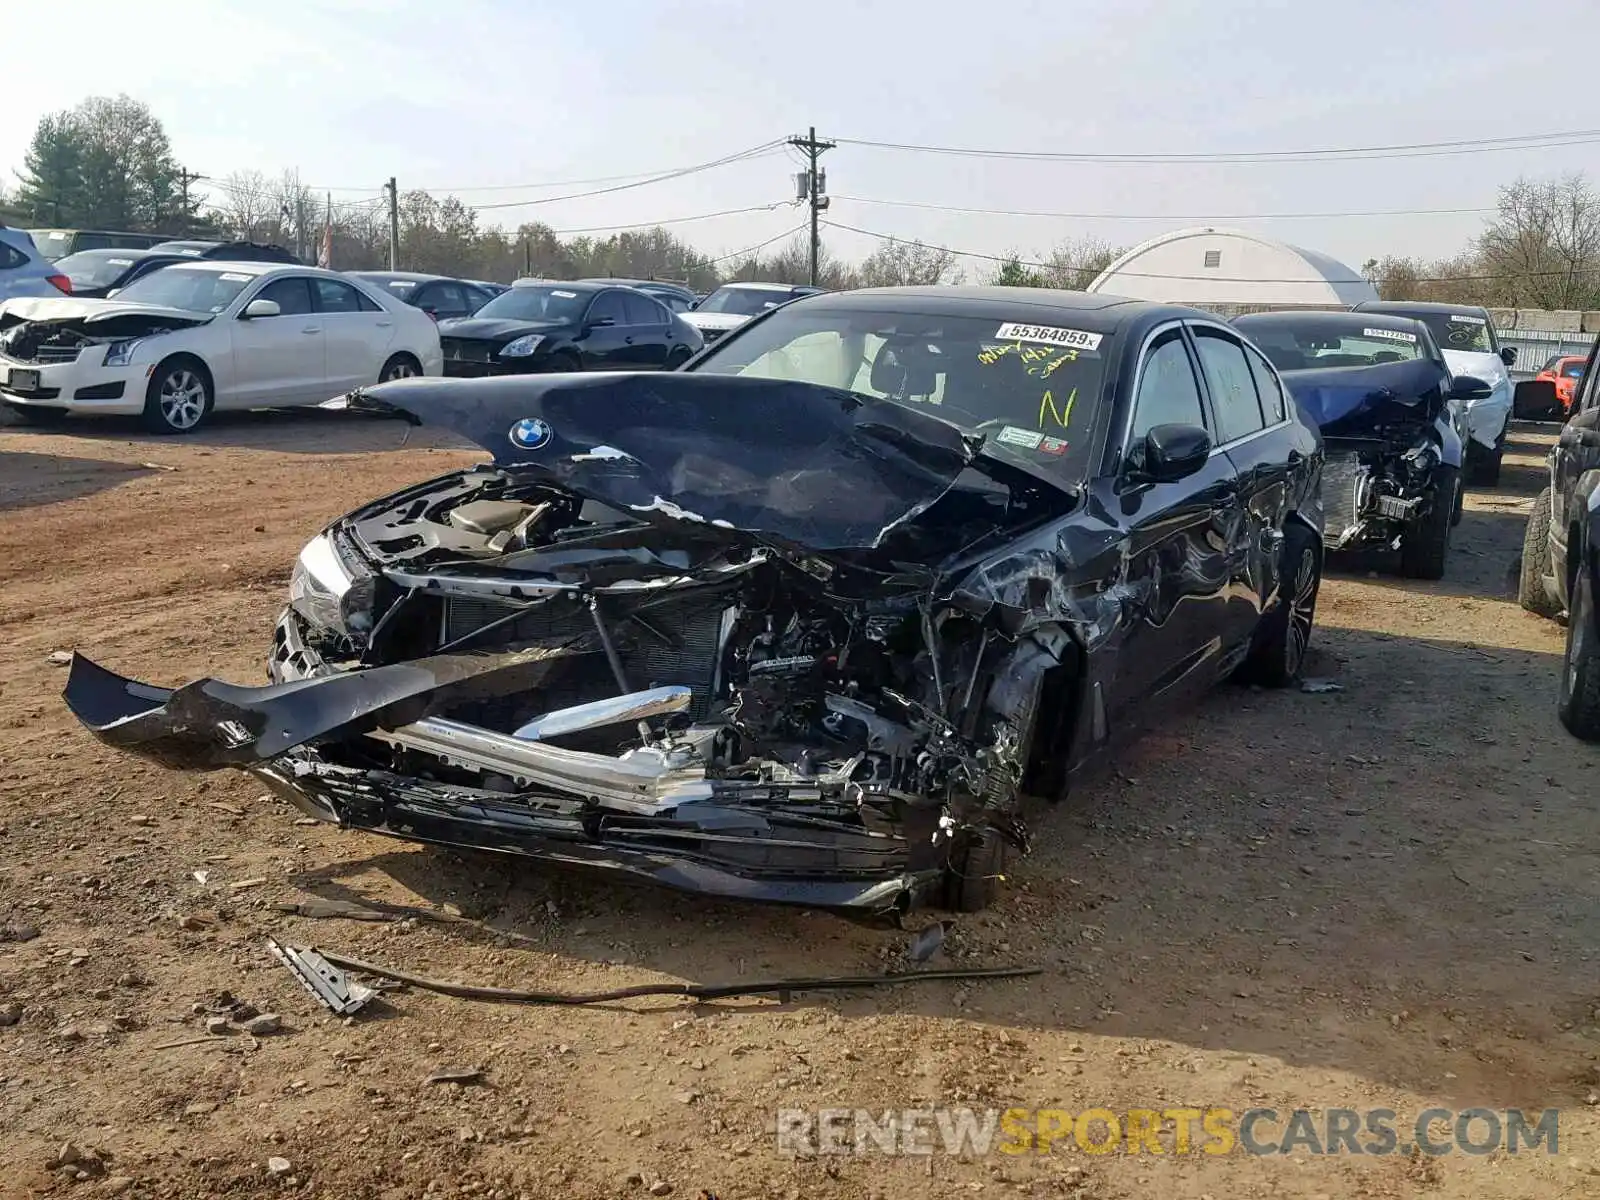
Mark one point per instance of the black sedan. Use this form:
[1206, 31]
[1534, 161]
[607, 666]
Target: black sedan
[537, 327]
[803, 623]
[97, 273]
[675, 296]
[1394, 420]
[440, 296]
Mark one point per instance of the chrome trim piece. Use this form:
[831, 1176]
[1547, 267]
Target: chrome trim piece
[613, 710]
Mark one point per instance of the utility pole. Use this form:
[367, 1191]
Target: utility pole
[394, 223]
[186, 177]
[816, 188]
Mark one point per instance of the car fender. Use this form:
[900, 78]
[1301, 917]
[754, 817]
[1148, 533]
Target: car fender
[1451, 451]
[194, 343]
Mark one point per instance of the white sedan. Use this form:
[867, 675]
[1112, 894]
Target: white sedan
[191, 337]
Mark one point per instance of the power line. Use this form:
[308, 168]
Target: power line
[1114, 216]
[727, 212]
[711, 262]
[1533, 141]
[1023, 262]
[741, 156]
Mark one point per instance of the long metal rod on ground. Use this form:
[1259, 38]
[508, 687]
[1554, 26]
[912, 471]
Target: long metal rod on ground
[692, 991]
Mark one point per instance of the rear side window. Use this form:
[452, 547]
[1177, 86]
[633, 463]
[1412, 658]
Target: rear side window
[11, 257]
[1267, 387]
[335, 297]
[1233, 388]
[644, 311]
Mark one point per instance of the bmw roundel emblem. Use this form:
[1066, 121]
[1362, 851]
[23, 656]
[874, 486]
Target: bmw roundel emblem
[530, 433]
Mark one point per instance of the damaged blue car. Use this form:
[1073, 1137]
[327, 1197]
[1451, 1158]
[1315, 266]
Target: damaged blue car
[805, 622]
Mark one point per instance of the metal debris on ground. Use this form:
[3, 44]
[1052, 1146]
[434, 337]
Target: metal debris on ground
[59, 658]
[928, 942]
[462, 1076]
[1317, 687]
[329, 985]
[782, 988]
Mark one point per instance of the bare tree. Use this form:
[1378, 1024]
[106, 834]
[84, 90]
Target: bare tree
[247, 210]
[1543, 245]
[909, 264]
[1074, 263]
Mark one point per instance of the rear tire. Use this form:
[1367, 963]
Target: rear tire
[399, 366]
[1580, 668]
[1426, 544]
[1532, 593]
[676, 359]
[179, 397]
[1284, 634]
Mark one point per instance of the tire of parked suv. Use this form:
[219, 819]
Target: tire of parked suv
[1284, 633]
[1580, 669]
[399, 366]
[179, 396]
[1531, 591]
[977, 863]
[1486, 465]
[1460, 506]
[1425, 545]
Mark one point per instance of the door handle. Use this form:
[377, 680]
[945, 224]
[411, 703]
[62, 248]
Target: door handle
[312, 329]
[384, 324]
[629, 340]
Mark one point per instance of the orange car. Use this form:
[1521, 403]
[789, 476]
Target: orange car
[1564, 372]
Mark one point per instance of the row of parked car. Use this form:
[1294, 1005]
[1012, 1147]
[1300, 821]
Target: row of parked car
[176, 330]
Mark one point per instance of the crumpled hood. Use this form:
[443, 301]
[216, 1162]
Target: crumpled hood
[795, 463]
[91, 311]
[1349, 400]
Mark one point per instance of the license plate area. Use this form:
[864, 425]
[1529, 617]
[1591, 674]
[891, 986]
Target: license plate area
[21, 380]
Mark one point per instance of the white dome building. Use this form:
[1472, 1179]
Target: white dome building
[1233, 271]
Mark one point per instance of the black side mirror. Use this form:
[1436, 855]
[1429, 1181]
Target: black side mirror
[1173, 452]
[1576, 437]
[1534, 400]
[1508, 355]
[1470, 387]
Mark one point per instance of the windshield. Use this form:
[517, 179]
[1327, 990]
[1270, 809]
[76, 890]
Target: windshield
[537, 304]
[52, 243]
[743, 302]
[1311, 343]
[94, 268]
[1460, 332]
[183, 286]
[1033, 390]
[1573, 368]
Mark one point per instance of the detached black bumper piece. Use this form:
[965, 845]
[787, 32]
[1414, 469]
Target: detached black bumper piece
[741, 840]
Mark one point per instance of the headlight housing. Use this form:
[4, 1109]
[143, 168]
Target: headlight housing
[318, 585]
[120, 354]
[522, 347]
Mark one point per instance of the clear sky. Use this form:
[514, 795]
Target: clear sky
[493, 99]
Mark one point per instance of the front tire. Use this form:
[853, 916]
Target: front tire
[1580, 669]
[561, 361]
[1284, 634]
[1426, 544]
[1486, 465]
[1532, 593]
[977, 865]
[179, 396]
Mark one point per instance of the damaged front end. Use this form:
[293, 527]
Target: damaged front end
[56, 331]
[1387, 430]
[586, 660]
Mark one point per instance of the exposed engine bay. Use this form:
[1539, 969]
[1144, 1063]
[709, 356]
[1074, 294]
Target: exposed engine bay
[61, 340]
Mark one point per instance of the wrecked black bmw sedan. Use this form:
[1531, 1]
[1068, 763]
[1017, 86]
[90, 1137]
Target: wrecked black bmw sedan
[1394, 422]
[804, 622]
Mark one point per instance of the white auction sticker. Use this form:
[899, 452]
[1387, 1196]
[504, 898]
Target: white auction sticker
[1394, 335]
[1463, 319]
[233, 277]
[1078, 339]
[1014, 435]
[565, 295]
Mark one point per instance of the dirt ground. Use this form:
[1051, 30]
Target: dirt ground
[1384, 896]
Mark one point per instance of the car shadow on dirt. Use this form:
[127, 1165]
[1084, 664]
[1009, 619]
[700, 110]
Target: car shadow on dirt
[28, 479]
[1295, 875]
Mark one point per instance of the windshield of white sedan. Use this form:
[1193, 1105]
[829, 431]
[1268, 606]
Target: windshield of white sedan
[537, 304]
[198, 290]
[1032, 389]
[1311, 344]
[743, 302]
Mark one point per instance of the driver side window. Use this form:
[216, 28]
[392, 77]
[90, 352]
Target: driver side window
[1587, 396]
[1169, 394]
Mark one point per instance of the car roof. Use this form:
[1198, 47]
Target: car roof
[222, 265]
[1420, 307]
[755, 286]
[1105, 312]
[1378, 320]
[577, 285]
[412, 276]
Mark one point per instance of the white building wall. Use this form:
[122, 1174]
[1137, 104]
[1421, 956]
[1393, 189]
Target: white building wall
[1249, 271]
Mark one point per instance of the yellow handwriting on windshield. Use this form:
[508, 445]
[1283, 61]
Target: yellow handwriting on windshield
[1048, 409]
[1040, 361]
